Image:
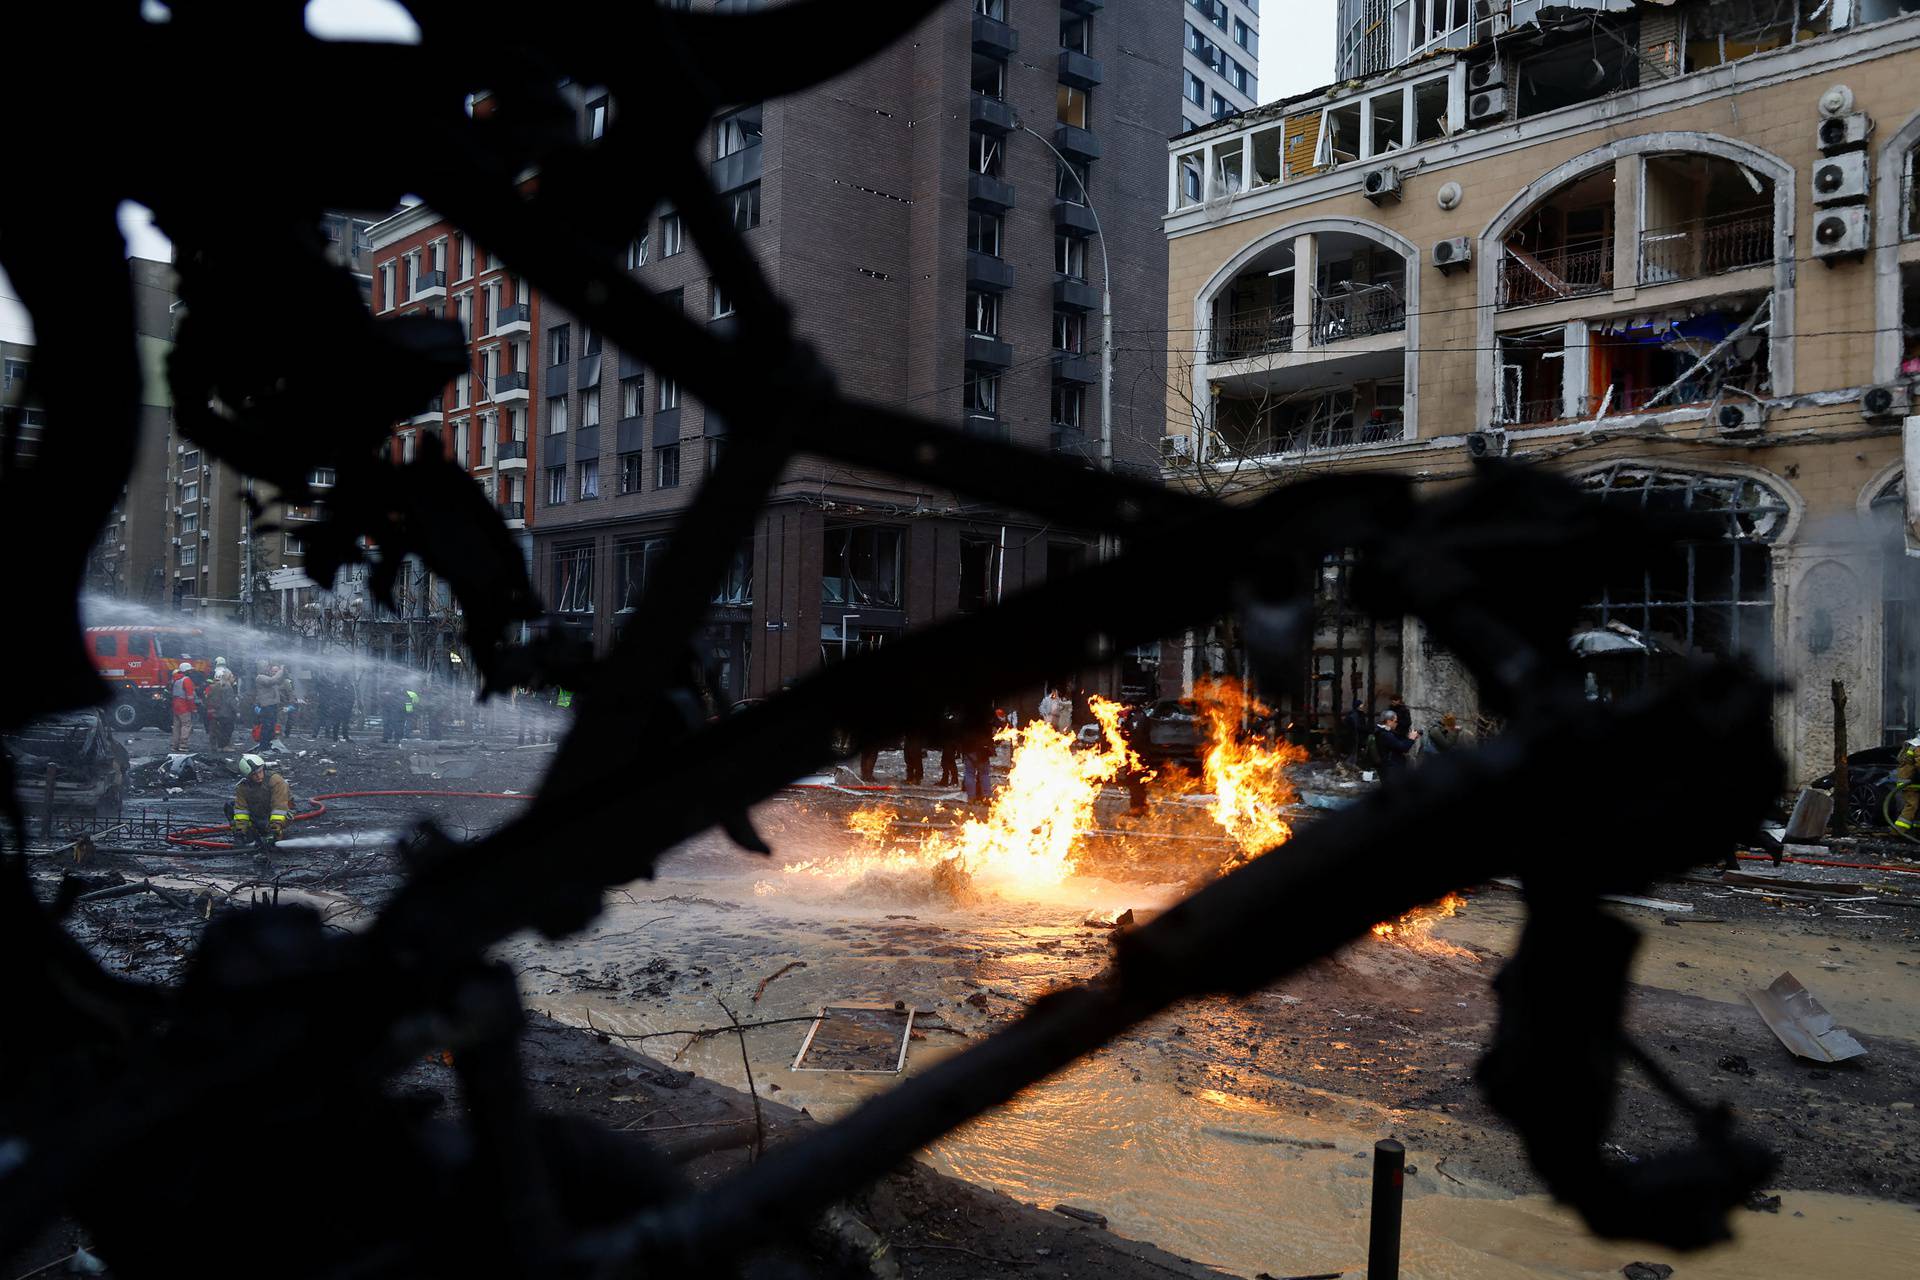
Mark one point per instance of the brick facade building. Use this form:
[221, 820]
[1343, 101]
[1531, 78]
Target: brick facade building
[942, 259]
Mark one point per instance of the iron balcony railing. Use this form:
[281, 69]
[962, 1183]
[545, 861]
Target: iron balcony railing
[1257, 332]
[1380, 428]
[513, 510]
[1357, 313]
[1527, 279]
[508, 450]
[1705, 247]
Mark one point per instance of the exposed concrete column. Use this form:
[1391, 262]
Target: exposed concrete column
[1306, 270]
[1575, 369]
[1628, 172]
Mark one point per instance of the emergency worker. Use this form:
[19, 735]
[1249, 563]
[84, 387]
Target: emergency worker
[186, 700]
[1905, 769]
[223, 706]
[261, 795]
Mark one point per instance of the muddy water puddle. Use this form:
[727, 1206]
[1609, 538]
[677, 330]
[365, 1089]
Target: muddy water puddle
[1184, 1156]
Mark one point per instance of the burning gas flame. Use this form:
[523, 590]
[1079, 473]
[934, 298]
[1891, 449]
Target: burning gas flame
[1246, 774]
[1415, 928]
[1029, 837]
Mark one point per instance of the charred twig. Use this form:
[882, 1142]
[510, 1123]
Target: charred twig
[759, 1121]
[785, 968]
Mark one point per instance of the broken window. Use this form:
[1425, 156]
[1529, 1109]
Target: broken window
[736, 131]
[1720, 32]
[1228, 166]
[573, 578]
[1322, 420]
[984, 153]
[1360, 290]
[989, 76]
[862, 566]
[1703, 215]
[1562, 247]
[1192, 172]
[1254, 316]
[634, 560]
[979, 562]
[736, 588]
[1710, 596]
[1532, 376]
[980, 391]
[1900, 616]
[1354, 657]
[1340, 137]
[1653, 361]
[1263, 146]
[1436, 22]
[1387, 125]
[983, 313]
[1579, 71]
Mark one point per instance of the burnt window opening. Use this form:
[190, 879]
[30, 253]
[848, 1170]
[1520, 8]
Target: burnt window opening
[979, 573]
[1253, 316]
[1693, 597]
[1722, 33]
[1659, 362]
[1581, 70]
[1909, 320]
[736, 588]
[862, 566]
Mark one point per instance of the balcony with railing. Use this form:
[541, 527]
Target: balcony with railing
[428, 286]
[1707, 246]
[427, 415]
[1573, 271]
[514, 318]
[514, 513]
[1257, 332]
[1357, 311]
[511, 455]
[1380, 427]
[511, 388]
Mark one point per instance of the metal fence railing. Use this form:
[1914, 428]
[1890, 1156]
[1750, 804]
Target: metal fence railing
[1706, 247]
[1527, 279]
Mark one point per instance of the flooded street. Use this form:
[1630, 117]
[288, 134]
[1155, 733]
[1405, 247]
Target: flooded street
[1239, 1133]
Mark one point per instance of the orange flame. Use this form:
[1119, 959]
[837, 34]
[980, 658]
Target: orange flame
[1245, 774]
[1415, 928]
[1029, 837]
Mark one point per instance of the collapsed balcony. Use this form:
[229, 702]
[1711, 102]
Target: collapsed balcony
[1563, 248]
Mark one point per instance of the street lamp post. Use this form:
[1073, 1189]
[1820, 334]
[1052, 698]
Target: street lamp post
[1106, 309]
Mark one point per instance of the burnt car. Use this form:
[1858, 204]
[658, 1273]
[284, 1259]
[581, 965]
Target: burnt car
[72, 760]
[1869, 779]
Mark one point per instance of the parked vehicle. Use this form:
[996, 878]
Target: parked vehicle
[78, 753]
[139, 663]
[1168, 732]
[1869, 779]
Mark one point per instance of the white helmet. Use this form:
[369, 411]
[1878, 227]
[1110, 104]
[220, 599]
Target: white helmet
[219, 662]
[252, 762]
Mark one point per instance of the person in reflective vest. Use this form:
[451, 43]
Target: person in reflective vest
[186, 700]
[261, 797]
[1904, 770]
[563, 698]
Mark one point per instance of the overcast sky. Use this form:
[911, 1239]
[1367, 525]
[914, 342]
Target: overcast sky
[1296, 54]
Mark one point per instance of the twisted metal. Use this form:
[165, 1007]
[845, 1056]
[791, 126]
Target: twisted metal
[296, 1030]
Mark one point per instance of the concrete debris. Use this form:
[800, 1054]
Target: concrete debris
[1646, 1271]
[1760, 1203]
[1108, 919]
[1651, 904]
[1802, 1023]
[180, 768]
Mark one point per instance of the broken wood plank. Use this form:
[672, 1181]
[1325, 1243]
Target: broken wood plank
[1651, 904]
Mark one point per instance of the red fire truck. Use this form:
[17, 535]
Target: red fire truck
[139, 663]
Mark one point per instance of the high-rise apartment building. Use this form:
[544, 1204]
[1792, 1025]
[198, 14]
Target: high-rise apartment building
[924, 216]
[1220, 65]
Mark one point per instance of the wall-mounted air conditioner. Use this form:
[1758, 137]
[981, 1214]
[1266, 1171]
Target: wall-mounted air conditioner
[1890, 401]
[1490, 74]
[1455, 254]
[1487, 106]
[1841, 179]
[1738, 416]
[1843, 133]
[1845, 232]
[1381, 185]
[1491, 443]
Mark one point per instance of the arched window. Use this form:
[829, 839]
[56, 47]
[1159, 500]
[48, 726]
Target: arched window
[1710, 596]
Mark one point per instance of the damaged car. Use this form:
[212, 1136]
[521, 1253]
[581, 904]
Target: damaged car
[71, 761]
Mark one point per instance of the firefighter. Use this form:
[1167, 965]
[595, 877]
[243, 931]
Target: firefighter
[260, 795]
[1904, 771]
[186, 699]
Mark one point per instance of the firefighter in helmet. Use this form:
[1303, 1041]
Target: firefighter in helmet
[261, 796]
[1906, 773]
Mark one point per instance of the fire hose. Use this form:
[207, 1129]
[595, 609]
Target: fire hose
[191, 837]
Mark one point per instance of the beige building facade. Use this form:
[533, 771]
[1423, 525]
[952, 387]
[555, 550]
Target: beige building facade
[1696, 286]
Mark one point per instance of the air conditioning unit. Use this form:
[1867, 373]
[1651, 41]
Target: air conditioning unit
[1844, 133]
[1491, 74]
[1841, 179]
[1846, 232]
[1487, 105]
[1890, 401]
[1453, 255]
[1381, 185]
[1178, 446]
[1739, 417]
[1488, 444]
